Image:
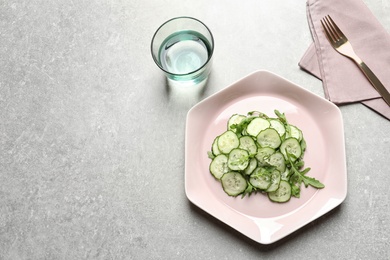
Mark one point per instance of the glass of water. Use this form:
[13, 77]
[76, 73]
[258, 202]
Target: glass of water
[183, 47]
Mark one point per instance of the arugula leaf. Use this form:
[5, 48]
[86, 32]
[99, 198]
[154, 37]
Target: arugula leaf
[281, 117]
[313, 182]
[295, 190]
[299, 164]
[300, 176]
[248, 191]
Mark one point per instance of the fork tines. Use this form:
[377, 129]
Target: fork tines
[332, 31]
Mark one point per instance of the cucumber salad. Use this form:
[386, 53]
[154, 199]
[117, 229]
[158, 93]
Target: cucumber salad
[263, 154]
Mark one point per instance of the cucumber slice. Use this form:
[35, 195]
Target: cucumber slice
[269, 138]
[251, 167]
[275, 181]
[303, 145]
[278, 126]
[263, 154]
[277, 160]
[282, 194]
[238, 159]
[260, 178]
[247, 143]
[218, 166]
[227, 142]
[257, 125]
[214, 147]
[234, 120]
[233, 183]
[291, 146]
[295, 132]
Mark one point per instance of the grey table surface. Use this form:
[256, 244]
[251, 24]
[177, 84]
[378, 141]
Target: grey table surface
[92, 139]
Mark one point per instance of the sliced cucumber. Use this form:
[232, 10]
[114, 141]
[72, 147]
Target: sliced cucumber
[278, 126]
[251, 167]
[260, 178]
[227, 142]
[295, 132]
[259, 153]
[291, 146]
[275, 180]
[238, 159]
[303, 145]
[277, 160]
[235, 120]
[233, 183]
[269, 138]
[282, 194]
[219, 166]
[263, 154]
[256, 125]
[214, 147]
[247, 143]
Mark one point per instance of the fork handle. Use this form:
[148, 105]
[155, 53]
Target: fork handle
[375, 82]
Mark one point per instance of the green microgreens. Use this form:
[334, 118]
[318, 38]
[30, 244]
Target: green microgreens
[298, 177]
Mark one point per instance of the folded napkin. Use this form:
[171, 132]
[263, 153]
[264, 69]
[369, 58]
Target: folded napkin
[343, 81]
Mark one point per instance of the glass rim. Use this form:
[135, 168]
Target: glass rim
[191, 72]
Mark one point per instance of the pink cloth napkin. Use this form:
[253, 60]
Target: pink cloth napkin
[343, 81]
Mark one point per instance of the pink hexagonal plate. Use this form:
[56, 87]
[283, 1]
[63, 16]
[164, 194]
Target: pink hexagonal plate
[256, 216]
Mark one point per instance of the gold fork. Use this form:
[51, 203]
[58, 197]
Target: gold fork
[341, 44]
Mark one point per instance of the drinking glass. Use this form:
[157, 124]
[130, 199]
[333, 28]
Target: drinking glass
[183, 48]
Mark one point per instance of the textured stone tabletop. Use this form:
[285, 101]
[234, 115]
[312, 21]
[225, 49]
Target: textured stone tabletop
[92, 139]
